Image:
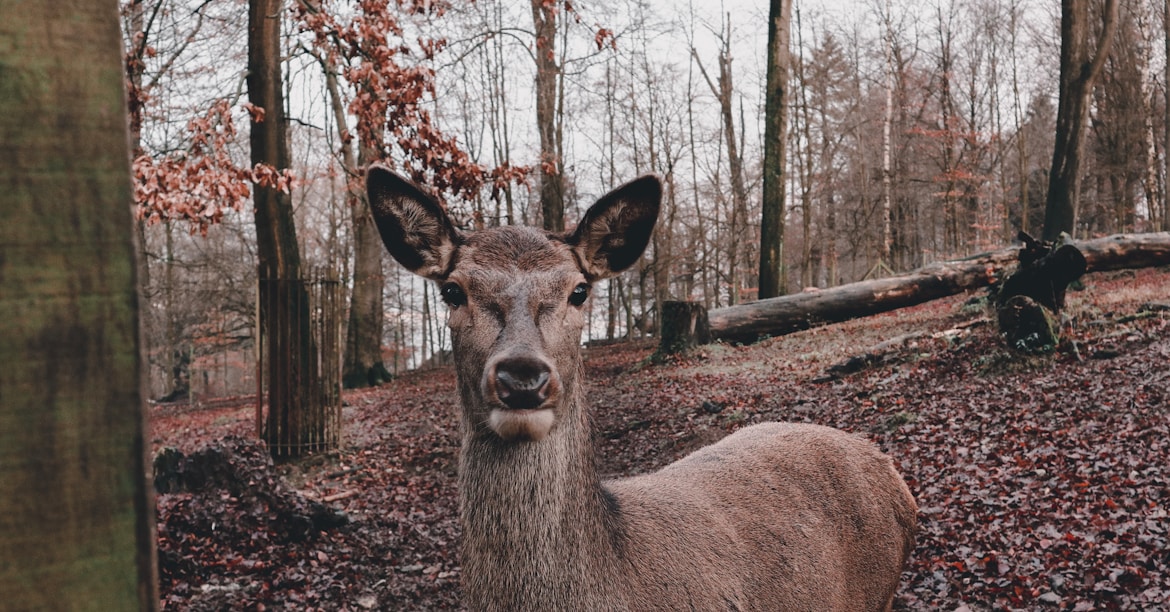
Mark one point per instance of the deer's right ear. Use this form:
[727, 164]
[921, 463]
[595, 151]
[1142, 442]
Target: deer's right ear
[414, 226]
[616, 229]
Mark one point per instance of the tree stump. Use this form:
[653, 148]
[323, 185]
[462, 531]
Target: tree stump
[1030, 300]
[684, 326]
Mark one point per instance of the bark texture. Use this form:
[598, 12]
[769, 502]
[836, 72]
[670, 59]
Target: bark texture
[76, 517]
[276, 238]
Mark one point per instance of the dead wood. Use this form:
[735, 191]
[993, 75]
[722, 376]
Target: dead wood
[750, 322]
[684, 326]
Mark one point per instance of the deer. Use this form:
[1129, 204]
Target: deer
[776, 516]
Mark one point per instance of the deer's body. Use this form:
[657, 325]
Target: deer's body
[774, 517]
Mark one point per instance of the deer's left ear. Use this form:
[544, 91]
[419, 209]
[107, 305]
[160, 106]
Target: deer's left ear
[414, 226]
[616, 230]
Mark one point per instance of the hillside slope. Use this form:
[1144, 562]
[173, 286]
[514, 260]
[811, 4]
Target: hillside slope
[1042, 481]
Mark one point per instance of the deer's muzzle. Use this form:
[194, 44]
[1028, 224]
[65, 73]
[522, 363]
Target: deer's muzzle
[522, 384]
[524, 388]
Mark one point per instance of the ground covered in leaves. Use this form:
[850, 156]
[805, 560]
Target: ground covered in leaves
[1042, 481]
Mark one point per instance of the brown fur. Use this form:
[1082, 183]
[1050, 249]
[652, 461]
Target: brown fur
[777, 516]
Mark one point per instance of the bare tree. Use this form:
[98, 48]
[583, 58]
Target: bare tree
[363, 336]
[284, 305]
[887, 147]
[1022, 162]
[1079, 66]
[1117, 140]
[835, 99]
[1166, 127]
[549, 92]
[804, 157]
[772, 269]
[723, 90]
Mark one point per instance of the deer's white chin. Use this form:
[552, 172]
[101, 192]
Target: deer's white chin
[521, 425]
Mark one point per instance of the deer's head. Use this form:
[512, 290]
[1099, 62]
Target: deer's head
[516, 296]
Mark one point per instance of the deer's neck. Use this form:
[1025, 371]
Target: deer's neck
[538, 528]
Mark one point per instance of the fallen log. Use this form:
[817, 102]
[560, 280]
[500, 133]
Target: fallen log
[1126, 251]
[750, 322]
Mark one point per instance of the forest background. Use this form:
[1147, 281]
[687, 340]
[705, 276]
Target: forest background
[915, 133]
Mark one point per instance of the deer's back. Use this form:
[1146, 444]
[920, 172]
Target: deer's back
[775, 516]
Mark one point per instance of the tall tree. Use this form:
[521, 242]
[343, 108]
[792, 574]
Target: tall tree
[887, 196]
[76, 517]
[365, 48]
[772, 272]
[363, 335]
[1117, 138]
[549, 88]
[1080, 64]
[1022, 164]
[723, 90]
[276, 238]
[292, 426]
[1166, 127]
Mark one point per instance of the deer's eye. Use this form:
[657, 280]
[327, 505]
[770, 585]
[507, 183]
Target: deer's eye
[453, 295]
[579, 295]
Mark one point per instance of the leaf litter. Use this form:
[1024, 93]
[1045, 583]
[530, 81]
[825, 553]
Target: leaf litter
[1042, 482]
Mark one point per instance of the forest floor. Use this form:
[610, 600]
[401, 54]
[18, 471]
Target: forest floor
[1042, 482]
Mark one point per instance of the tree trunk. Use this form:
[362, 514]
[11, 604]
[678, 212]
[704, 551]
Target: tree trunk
[276, 241]
[684, 326]
[887, 147]
[1021, 136]
[784, 315]
[135, 66]
[363, 340]
[723, 93]
[290, 355]
[952, 224]
[1166, 127]
[1079, 67]
[363, 364]
[552, 187]
[772, 272]
[76, 516]
[807, 172]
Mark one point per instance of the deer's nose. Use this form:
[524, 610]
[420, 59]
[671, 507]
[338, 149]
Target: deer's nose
[522, 383]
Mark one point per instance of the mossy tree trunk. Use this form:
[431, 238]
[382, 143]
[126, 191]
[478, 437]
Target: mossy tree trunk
[76, 516]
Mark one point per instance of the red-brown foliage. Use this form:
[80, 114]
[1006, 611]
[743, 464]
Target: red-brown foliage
[201, 182]
[389, 94]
